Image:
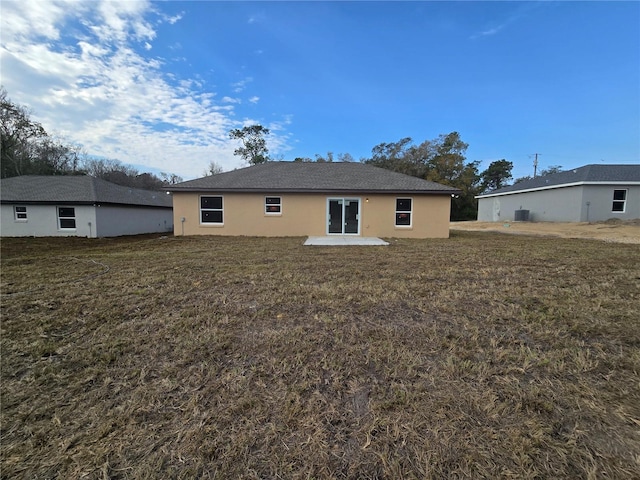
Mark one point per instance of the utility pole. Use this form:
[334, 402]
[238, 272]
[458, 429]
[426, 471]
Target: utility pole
[535, 164]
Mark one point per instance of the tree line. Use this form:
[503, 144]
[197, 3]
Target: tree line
[27, 149]
[440, 160]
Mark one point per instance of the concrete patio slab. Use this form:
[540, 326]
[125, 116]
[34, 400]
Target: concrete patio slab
[338, 240]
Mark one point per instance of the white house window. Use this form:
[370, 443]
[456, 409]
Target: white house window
[273, 205]
[67, 218]
[619, 200]
[20, 213]
[211, 210]
[404, 208]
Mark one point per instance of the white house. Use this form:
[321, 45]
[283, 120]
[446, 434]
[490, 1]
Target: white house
[591, 193]
[81, 206]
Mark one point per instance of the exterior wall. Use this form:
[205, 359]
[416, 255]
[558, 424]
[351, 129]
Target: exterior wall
[42, 221]
[306, 215]
[554, 205]
[566, 204]
[600, 198]
[112, 221]
[104, 221]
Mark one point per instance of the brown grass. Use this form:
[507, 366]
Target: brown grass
[480, 356]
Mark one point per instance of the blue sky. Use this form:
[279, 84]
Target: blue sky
[160, 84]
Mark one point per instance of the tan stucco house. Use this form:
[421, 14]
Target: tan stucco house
[312, 199]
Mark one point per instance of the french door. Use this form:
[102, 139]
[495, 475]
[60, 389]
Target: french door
[343, 216]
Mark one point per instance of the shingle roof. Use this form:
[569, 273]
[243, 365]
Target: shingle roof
[303, 177]
[79, 189]
[594, 173]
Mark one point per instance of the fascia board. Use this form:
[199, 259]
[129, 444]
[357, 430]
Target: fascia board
[551, 187]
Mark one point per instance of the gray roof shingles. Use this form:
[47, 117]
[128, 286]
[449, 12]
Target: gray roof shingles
[79, 189]
[313, 177]
[587, 173]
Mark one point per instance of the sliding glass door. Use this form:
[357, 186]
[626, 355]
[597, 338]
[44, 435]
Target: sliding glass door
[343, 216]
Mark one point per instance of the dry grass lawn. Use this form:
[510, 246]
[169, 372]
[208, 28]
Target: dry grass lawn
[613, 230]
[480, 356]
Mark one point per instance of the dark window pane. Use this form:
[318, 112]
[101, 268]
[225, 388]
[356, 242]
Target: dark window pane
[273, 208]
[403, 205]
[619, 194]
[211, 202]
[67, 212]
[618, 207]
[67, 223]
[211, 216]
[273, 201]
[21, 213]
[403, 219]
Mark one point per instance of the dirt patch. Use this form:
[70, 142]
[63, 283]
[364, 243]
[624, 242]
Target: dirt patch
[614, 230]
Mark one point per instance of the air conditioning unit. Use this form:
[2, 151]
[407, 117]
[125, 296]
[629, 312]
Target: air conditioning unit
[521, 216]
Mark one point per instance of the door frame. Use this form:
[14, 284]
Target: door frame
[343, 199]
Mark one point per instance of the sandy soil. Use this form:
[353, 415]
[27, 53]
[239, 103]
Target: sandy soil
[610, 231]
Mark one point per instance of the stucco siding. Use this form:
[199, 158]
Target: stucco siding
[556, 205]
[114, 221]
[306, 214]
[600, 198]
[563, 204]
[42, 221]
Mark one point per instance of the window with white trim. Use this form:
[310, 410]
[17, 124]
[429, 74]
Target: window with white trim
[211, 210]
[619, 200]
[20, 213]
[66, 218]
[273, 205]
[404, 212]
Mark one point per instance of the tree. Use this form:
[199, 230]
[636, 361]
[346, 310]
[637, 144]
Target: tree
[497, 175]
[170, 178]
[441, 160]
[254, 146]
[447, 164]
[522, 179]
[213, 169]
[115, 171]
[551, 169]
[26, 147]
[19, 137]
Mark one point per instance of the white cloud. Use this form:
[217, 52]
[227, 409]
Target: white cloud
[77, 66]
[254, 99]
[521, 10]
[241, 85]
[174, 19]
[23, 18]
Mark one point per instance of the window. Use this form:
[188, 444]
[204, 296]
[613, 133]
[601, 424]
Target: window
[20, 214]
[211, 210]
[403, 212]
[67, 218]
[619, 200]
[273, 205]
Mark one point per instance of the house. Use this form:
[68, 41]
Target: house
[591, 193]
[79, 206]
[312, 199]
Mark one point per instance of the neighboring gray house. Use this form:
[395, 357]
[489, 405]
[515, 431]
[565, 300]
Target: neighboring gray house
[80, 206]
[591, 193]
